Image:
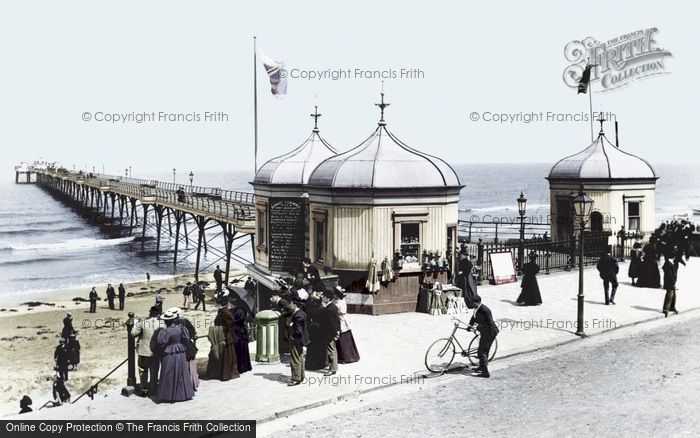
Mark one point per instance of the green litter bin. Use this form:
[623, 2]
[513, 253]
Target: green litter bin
[267, 341]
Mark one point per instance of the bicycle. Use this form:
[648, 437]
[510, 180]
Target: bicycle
[442, 352]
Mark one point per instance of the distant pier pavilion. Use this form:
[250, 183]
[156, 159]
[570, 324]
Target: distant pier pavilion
[621, 185]
[379, 205]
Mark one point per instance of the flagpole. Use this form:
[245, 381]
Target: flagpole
[255, 105]
[590, 104]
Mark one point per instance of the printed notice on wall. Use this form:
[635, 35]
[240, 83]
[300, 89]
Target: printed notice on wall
[287, 233]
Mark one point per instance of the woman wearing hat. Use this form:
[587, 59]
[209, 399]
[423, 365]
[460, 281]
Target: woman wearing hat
[530, 295]
[347, 350]
[174, 383]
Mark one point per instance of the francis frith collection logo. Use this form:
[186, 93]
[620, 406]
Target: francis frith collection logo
[617, 62]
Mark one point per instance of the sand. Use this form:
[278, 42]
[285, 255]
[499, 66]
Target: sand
[29, 335]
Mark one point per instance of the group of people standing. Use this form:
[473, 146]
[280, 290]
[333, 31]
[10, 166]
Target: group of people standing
[111, 296]
[66, 358]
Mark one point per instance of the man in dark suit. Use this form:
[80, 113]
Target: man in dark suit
[311, 275]
[218, 277]
[110, 296]
[330, 327]
[608, 269]
[122, 296]
[299, 339]
[199, 297]
[670, 277]
[93, 300]
[488, 331]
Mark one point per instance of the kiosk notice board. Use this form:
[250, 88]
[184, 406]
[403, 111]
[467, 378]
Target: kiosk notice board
[287, 233]
[502, 267]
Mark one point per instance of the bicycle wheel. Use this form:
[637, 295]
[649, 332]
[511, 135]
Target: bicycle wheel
[440, 355]
[474, 348]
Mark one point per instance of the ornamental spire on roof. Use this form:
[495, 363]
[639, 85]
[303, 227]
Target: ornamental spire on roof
[316, 115]
[381, 106]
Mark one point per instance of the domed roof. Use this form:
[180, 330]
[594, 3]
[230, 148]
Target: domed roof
[383, 161]
[295, 167]
[602, 160]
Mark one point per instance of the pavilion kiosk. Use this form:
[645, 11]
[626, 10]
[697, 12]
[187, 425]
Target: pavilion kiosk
[281, 219]
[621, 185]
[377, 199]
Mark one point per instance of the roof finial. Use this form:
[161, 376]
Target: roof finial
[316, 115]
[381, 106]
[601, 120]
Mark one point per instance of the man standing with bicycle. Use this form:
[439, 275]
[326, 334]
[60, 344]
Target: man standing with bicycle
[488, 331]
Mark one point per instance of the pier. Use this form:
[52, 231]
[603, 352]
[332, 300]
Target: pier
[167, 208]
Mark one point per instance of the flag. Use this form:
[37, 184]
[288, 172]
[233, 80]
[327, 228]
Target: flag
[585, 80]
[276, 73]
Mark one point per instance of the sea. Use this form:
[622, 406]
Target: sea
[45, 245]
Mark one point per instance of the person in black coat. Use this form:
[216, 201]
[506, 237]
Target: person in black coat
[635, 262]
[299, 340]
[199, 296]
[67, 326]
[608, 268]
[122, 296]
[60, 392]
[649, 269]
[73, 346]
[316, 326]
[530, 295]
[24, 405]
[311, 274]
[486, 326]
[61, 357]
[465, 278]
[110, 296]
[330, 327]
[670, 278]
[93, 300]
[219, 278]
[242, 339]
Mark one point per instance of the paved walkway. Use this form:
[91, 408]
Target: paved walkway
[392, 349]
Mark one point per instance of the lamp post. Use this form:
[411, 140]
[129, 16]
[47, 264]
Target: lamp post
[129, 171]
[582, 210]
[126, 172]
[521, 247]
[191, 179]
[173, 175]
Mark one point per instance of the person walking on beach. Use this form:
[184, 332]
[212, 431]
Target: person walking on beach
[148, 277]
[218, 277]
[159, 302]
[110, 296]
[199, 297]
[60, 392]
[530, 295]
[186, 295]
[670, 277]
[122, 296]
[73, 346]
[175, 383]
[93, 300]
[67, 326]
[298, 339]
[486, 326]
[61, 357]
[148, 361]
[608, 268]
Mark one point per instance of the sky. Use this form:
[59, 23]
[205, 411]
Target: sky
[61, 60]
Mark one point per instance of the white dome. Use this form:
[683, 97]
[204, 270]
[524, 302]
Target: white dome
[383, 161]
[602, 160]
[296, 166]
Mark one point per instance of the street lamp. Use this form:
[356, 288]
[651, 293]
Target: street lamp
[126, 172]
[173, 175]
[191, 179]
[582, 210]
[521, 247]
[129, 171]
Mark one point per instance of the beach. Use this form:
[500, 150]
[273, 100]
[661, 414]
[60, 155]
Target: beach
[29, 334]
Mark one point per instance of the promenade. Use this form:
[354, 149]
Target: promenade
[392, 349]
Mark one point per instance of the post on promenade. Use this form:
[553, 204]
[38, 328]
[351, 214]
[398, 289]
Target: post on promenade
[129, 389]
[582, 209]
[521, 243]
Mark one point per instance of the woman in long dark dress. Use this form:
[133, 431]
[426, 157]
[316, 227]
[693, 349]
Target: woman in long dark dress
[345, 345]
[649, 273]
[229, 361]
[241, 344]
[217, 340]
[174, 383]
[530, 295]
[635, 262]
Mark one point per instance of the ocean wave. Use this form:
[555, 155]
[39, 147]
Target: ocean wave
[30, 261]
[68, 245]
[25, 231]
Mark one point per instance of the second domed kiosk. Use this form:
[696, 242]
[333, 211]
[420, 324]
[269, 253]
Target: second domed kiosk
[621, 185]
[377, 199]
